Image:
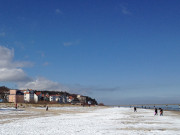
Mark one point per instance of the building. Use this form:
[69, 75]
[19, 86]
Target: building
[39, 95]
[12, 96]
[63, 99]
[54, 98]
[16, 96]
[35, 98]
[82, 99]
[28, 95]
[70, 99]
[58, 98]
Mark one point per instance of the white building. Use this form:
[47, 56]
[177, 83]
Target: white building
[63, 99]
[54, 98]
[58, 98]
[30, 96]
[82, 99]
[35, 98]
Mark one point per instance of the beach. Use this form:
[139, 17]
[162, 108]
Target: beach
[79, 120]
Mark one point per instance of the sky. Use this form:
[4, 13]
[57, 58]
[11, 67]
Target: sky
[116, 51]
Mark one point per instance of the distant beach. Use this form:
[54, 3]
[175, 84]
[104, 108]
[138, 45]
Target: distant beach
[77, 120]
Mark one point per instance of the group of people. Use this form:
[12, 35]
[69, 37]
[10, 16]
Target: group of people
[156, 111]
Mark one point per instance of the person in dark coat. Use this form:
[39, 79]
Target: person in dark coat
[16, 105]
[47, 108]
[135, 110]
[155, 111]
[161, 112]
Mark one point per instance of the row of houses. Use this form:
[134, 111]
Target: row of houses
[33, 96]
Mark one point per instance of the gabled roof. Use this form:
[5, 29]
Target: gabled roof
[71, 97]
[38, 93]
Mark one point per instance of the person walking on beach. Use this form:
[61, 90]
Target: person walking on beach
[155, 111]
[47, 108]
[16, 105]
[135, 110]
[161, 112]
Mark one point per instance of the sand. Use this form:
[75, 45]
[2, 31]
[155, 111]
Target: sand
[87, 121]
[35, 112]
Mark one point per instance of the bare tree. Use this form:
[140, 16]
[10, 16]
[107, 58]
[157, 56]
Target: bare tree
[4, 92]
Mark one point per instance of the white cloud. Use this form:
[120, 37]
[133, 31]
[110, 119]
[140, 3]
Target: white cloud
[42, 84]
[13, 75]
[6, 59]
[58, 11]
[11, 71]
[6, 54]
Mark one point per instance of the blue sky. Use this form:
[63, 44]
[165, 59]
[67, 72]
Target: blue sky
[117, 51]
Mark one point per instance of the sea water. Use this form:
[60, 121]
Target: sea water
[164, 107]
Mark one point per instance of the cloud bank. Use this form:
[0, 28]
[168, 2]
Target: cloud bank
[12, 71]
[41, 83]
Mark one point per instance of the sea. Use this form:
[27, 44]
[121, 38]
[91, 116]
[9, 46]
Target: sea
[175, 107]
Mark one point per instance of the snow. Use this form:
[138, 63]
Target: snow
[90, 121]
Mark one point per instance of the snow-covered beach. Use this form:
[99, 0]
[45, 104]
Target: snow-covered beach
[87, 121]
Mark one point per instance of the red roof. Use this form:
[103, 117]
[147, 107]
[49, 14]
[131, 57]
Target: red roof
[70, 97]
[38, 93]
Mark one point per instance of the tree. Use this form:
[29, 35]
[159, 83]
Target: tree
[4, 92]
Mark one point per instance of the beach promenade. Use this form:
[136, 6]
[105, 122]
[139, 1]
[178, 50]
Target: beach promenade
[88, 121]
